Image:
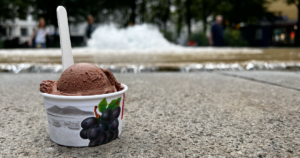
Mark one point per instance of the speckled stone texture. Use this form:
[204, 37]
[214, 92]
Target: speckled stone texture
[285, 79]
[166, 115]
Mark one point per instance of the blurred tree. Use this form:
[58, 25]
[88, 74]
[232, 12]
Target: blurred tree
[47, 9]
[188, 16]
[201, 9]
[297, 4]
[159, 12]
[12, 9]
[249, 12]
[122, 12]
[143, 10]
[132, 18]
[200, 38]
[196, 10]
[235, 11]
[77, 9]
[232, 37]
[166, 13]
[125, 12]
[179, 16]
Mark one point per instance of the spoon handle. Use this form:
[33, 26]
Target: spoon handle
[65, 43]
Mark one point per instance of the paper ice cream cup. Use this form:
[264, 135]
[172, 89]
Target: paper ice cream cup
[81, 121]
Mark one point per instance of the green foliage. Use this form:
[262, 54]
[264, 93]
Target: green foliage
[178, 15]
[1, 43]
[201, 9]
[249, 12]
[234, 38]
[10, 9]
[157, 12]
[292, 2]
[200, 38]
[170, 36]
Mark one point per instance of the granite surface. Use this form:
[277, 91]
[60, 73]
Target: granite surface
[166, 115]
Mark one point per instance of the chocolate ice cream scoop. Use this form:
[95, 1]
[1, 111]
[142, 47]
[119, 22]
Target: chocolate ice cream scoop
[82, 79]
[48, 86]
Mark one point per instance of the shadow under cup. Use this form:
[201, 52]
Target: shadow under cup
[66, 113]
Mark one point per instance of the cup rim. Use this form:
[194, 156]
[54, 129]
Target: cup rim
[85, 96]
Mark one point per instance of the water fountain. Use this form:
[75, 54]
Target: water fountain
[142, 48]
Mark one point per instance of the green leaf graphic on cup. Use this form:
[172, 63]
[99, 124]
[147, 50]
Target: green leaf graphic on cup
[114, 103]
[102, 105]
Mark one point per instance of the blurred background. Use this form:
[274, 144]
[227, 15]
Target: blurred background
[179, 35]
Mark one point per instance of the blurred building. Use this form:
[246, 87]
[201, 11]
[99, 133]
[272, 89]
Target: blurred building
[288, 11]
[16, 33]
[283, 30]
[77, 33]
[21, 29]
[280, 32]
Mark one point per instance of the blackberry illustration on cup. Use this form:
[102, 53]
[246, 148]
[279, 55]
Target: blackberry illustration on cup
[102, 128]
[81, 121]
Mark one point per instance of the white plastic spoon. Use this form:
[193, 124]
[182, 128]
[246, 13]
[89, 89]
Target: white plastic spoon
[64, 35]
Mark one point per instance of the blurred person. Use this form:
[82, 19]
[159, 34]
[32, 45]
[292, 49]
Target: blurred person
[38, 38]
[216, 33]
[90, 28]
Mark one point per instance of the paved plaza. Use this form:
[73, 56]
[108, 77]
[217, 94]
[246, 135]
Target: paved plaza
[205, 114]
